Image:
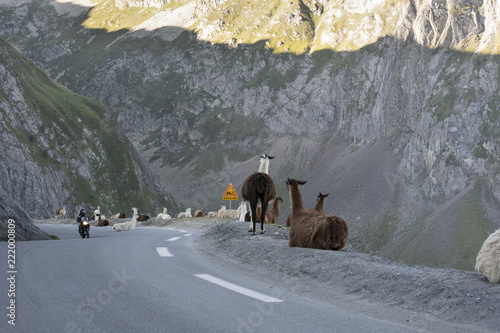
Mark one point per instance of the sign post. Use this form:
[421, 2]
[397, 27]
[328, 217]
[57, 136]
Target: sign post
[230, 194]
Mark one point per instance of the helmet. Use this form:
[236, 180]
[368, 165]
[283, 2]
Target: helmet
[82, 211]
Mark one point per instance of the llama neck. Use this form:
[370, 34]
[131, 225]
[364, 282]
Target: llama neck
[320, 204]
[295, 198]
[264, 165]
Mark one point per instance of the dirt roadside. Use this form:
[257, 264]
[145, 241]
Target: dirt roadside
[434, 300]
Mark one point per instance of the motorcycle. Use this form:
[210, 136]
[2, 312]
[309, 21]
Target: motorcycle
[84, 228]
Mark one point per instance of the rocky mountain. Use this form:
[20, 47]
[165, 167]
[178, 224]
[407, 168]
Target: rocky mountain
[58, 148]
[391, 106]
[14, 218]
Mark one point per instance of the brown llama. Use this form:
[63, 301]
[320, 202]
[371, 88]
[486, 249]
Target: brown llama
[310, 228]
[199, 212]
[320, 203]
[101, 222]
[60, 212]
[248, 218]
[274, 214]
[257, 187]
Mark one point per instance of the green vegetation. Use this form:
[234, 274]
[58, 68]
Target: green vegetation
[78, 131]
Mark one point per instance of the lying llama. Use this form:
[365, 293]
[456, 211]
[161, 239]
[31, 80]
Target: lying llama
[219, 213]
[320, 203]
[259, 186]
[124, 226]
[309, 228]
[186, 214]
[488, 258]
[164, 215]
[229, 213]
[199, 212]
[60, 212]
[212, 214]
[101, 222]
[118, 215]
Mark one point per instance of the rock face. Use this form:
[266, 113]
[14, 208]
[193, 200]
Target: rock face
[58, 148]
[13, 217]
[392, 107]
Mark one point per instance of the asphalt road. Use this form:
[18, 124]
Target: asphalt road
[150, 280]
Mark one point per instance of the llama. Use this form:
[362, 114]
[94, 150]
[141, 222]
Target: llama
[186, 214]
[222, 209]
[243, 211]
[274, 214]
[310, 228]
[97, 213]
[212, 214]
[164, 215]
[248, 217]
[488, 258]
[320, 203]
[229, 213]
[101, 222]
[199, 212]
[124, 226]
[119, 215]
[60, 212]
[259, 186]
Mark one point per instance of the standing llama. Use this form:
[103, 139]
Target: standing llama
[488, 258]
[309, 228]
[60, 212]
[124, 226]
[257, 187]
[320, 203]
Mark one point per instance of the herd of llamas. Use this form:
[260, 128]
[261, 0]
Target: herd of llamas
[309, 228]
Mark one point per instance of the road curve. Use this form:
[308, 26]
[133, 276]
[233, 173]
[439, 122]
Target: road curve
[150, 280]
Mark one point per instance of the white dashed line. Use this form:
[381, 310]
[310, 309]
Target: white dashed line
[163, 252]
[238, 289]
[173, 239]
[186, 235]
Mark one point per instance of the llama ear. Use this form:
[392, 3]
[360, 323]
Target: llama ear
[326, 195]
[300, 182]
[270, 157]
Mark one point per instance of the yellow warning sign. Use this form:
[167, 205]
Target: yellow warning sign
[230, 193]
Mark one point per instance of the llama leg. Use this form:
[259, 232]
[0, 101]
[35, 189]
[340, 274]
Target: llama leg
[263, 216]
[253, 217]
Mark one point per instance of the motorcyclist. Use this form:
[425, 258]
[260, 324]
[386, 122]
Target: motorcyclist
[81, 215]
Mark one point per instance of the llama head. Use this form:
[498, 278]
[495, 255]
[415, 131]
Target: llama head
[265, 156]
[294, 182]
[188, 210]
[135, 211]
[322, 195]
[164, 210]
[264, 163]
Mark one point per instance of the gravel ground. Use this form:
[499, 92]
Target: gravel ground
[436, 300]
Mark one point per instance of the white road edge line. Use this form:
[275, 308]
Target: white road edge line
[173, 239]
[163, 252]
[238, 289]
[186, 235]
